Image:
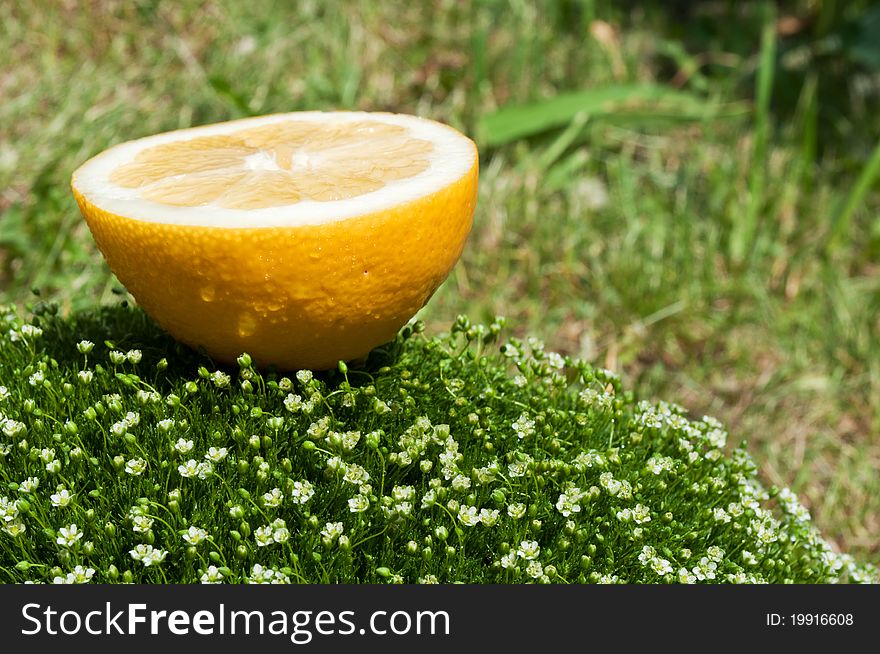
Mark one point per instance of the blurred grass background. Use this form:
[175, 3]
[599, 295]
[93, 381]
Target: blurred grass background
[685, 192]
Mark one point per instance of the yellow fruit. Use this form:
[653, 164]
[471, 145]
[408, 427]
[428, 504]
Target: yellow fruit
[302, 238]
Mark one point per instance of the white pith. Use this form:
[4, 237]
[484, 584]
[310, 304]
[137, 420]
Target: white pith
[451, 158]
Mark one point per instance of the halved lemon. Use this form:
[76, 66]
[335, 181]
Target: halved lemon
[301, 238]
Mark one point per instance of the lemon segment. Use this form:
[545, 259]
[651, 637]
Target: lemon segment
[302, 239]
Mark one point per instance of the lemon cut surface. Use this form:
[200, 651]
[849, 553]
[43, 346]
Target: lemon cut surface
[302, 239]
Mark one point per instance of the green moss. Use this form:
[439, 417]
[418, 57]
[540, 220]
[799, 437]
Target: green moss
[460, 457]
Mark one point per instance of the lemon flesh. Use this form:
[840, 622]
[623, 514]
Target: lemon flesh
[303, 239]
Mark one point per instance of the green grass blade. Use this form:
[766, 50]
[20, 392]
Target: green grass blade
[743, 234]
[516, 122]
[867, 178]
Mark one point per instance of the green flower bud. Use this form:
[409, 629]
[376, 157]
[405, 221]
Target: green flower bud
[372, 440]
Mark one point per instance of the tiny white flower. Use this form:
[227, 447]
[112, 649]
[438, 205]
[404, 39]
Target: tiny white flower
[523, 426]
[220, 379]
[212, 576]
[293, 403]
[461, 483]
[29, 485]
[85, 376]
[204, 470]
[189, 469]
[516, 510]
[166, 425]
[84, 347]
[134, 356]
[358, 504]
[509, 560]
[14, 528]
[350, 439]
[528, 550]
[261, 575]
[332, 530]
[184, 446]
[12, 428]
[141, 523]
[147, 554]
[31, 330]
[80, 575]
[686, 577]
[534, 569]
[302, 491]
[280, 533]
[489, 517]
[647, 555]
[661, 566]
[273, 498]
[403, 493]
[336, 464]
[195, 535]
[61, 498]
[136, 467]
[641, 514]
[116, 357]
[355, 474]
[468, 516]
[263, 536]
[715, 553]
[69, 536]
[216, 454]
